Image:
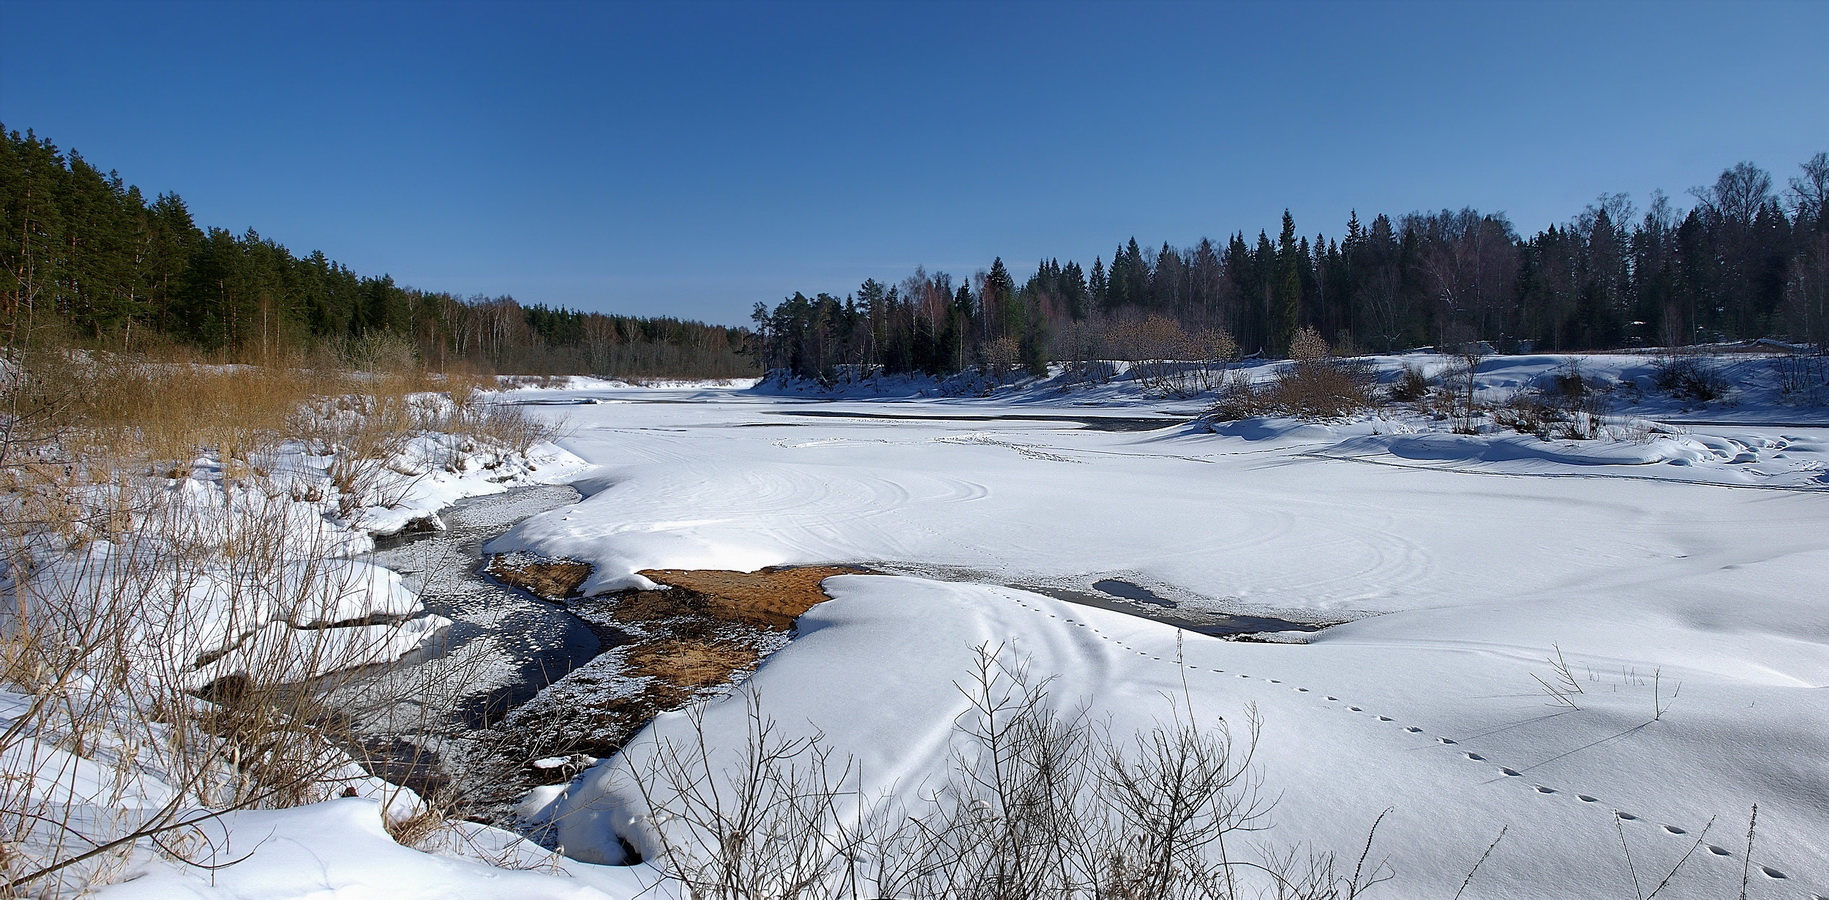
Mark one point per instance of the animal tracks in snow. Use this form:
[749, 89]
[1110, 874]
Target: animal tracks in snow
[1507, 772]
[1027, 451]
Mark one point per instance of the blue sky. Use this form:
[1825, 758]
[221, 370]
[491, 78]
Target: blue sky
[691, 159]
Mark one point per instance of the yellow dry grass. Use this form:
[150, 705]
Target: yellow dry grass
[691, 663]
[770, 598]
[554, 579]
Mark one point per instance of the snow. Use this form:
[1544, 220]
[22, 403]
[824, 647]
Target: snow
[220, 570]
[1688, 607]
[339, 849]
[1676, 569]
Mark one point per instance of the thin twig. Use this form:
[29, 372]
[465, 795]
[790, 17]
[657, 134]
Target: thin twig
[1481, 861]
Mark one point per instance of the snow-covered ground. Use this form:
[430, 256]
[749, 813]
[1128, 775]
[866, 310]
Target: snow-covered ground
[1677, 571]
[159, 583]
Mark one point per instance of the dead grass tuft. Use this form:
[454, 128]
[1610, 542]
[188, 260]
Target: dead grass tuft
[553, 579]
[691, 663]
[418, 829]
[705, 629]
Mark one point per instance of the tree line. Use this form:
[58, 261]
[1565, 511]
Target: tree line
[1747, 260]
[86, 258]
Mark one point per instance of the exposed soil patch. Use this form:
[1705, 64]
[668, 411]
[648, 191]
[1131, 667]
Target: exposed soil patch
[771, 598]
[553, 579]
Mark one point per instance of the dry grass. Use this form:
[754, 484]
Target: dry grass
[418, 830]
[86, 443]
[164, 410]
[108, 413]
[1312, 386]
[691, 663]
[470, 410]
[770, 598]
[703, 631]
[553, 579]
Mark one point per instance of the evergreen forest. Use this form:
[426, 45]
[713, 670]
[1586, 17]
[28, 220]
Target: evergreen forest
[1749, 259]
[86, 259]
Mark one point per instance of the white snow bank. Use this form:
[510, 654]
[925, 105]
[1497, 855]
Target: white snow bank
[1449, 733]
[1727, 457]
[434, 471]
[340, 849]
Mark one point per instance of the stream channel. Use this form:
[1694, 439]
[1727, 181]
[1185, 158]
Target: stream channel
[436, 717]
[514, 643]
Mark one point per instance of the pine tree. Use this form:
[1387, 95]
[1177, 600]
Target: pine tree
[1287, 286]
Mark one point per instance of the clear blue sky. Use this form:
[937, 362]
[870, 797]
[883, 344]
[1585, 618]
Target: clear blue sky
[691, 159]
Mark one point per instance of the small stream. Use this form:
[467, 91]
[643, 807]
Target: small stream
[505, 645]
[1127, 597]
[1088, 421]
[516, 642]
[1118, 595]
[435, 717]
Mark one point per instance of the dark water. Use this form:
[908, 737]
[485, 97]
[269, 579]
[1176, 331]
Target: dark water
[1120, 596]
[1136, 600]
[519, 642]
[1090, 422]
[1120, 588]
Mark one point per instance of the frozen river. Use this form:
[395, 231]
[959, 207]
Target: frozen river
[1463, 563]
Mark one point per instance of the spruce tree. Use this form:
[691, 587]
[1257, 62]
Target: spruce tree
[1288, 285]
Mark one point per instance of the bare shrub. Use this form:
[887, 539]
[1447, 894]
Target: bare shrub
[1000, 358]
[1038, 804]
[1323, 389]
[113, 645]
[1689, 377]
[379, 352]
[1411, 385]
[1455, 397]
[769, 826]
[1307, 345]
[1564, 403]
[1311, 386]
[1241, 397]
[1803, 378]
[504, 425]
[1169, 359]
[1080, 346]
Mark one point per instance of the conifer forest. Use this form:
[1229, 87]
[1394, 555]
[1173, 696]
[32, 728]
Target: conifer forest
[1749, 259]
